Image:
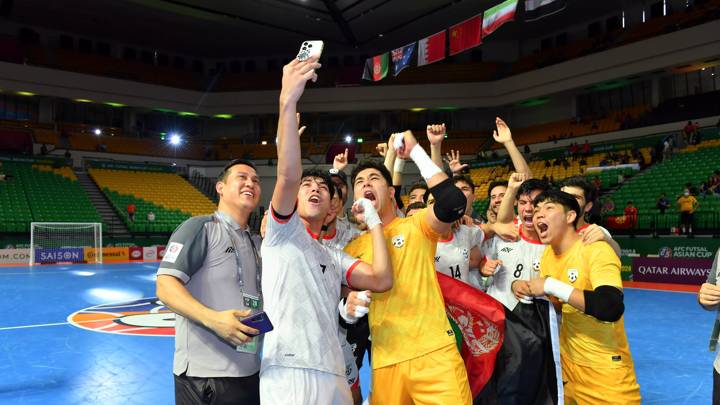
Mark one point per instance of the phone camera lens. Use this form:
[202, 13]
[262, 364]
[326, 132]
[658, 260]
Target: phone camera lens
[309, 45]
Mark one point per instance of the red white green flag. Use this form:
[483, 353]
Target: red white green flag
[481, 320]
[376, 68]
[494, 17]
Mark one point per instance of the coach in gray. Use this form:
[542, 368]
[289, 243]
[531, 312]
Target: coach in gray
[210, 278]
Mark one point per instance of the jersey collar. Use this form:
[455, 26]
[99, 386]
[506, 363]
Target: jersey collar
[316, 236]
[526, 239]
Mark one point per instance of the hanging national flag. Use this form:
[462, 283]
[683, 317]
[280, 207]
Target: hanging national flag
[537, 9]
[376, 68]
[481, 319]
[531, 337]
[465, 35]
[494, 17]
[401, 57]
[431, 49]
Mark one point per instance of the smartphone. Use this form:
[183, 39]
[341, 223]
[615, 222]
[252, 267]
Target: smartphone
[309, 49]
[259, 321]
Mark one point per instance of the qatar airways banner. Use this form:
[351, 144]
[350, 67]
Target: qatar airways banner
[677, 271]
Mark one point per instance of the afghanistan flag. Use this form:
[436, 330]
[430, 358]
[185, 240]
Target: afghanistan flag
[376, 68]
[527, 370]
[481, 321]
[494, 17]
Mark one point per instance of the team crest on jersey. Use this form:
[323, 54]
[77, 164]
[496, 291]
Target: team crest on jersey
[572, 275]
[146, 316]
[466, 254]
[536, 265]
[480, 335]
[398, 241]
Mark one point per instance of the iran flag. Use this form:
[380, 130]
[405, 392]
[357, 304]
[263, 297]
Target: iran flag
[431, 49]
[494, 17]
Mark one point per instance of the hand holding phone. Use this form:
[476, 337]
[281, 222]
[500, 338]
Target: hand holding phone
[308, 49]
[259, 321]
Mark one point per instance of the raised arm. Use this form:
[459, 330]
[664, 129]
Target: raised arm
[289, 169]
[436, 134]
[506, 211]
[450, 202]
[378, 276]
[504, 136]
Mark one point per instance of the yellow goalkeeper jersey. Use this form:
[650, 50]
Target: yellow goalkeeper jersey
[584, 339]
[409, 320]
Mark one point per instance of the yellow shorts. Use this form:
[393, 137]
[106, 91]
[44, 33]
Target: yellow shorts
[438, 377]
[587, 385]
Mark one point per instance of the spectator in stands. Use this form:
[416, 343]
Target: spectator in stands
[131, 211]
[662, 203]
[583, 162]
[43, 149]
[573, 149]
[547, 163]
[151, 216]
[608, 206]
[667, 148]
[598, 183]
[687, 205]
[709, 299]
[526, 149]
[586, 148]
[631, 214]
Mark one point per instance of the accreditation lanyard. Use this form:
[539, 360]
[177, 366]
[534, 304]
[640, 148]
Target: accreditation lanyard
[238, 262]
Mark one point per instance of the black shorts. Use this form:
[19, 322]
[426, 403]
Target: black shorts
[686, 218]
[358, 335]
[716, 387]
[217, 390]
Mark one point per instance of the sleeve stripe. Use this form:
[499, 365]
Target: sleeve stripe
[349, 272]
[281, 219]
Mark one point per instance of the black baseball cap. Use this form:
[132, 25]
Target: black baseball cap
[340, 174]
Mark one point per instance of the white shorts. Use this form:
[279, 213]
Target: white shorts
[301, 386]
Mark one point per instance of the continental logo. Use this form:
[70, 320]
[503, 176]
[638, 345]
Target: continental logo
[146, 316]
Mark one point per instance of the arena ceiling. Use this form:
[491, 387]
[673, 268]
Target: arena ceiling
[237, 28]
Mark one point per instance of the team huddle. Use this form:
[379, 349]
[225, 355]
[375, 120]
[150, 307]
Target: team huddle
[335, 286]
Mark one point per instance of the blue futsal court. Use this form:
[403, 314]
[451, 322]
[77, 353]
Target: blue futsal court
[46, 360]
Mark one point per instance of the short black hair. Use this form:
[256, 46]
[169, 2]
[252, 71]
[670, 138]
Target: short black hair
[590, 191]
[371, 164]
[568, 201]
[530, 185]
[415, 206]
[464, 179]
[223, 174]
[495, 184]
[420, 185]
[320, 174]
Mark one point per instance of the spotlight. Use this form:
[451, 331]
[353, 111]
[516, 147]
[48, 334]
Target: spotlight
[175, 139]
[97, 131]
[348, 139]
[263, 143]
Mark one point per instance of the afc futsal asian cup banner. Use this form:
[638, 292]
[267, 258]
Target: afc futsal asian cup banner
[85, 255]
[676, 271]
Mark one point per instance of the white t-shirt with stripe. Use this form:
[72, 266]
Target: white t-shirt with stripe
[301, 290]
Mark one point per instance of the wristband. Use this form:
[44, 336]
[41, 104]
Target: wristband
[372, 218]
[399, 165]
[427, 167]
[342, 307]
[398, 141]
[558, 289]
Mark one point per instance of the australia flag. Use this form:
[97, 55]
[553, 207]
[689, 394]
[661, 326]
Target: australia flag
[401, 57]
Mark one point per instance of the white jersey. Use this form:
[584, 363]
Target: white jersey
[452, 256]
[344, 233]
[521, 261]
[301, 289]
